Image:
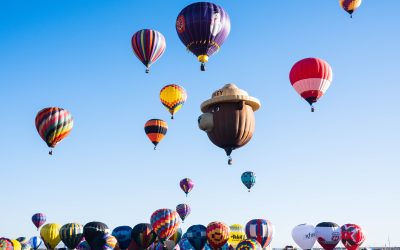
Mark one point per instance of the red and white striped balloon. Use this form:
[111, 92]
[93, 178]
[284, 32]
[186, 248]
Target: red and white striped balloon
[311, 77]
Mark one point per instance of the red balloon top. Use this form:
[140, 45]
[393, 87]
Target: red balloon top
[310, 68]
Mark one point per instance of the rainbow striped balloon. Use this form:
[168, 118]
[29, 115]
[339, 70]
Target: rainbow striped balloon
[148, 45]
[248, 244]
[217, 234]
[164, 222]
[53, 124]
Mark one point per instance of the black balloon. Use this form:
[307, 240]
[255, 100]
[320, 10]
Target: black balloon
[94, 229]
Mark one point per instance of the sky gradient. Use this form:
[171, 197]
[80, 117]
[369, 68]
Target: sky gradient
[338, 164]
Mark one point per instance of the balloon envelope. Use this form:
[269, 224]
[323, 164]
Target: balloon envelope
[352, 236]
[123, 236]
[236, 235]
[143, 235]
[350, 5]
[105, 242]
[164, 222]
[16, 244]
[50, 234]
[71, 234]
[249, 244]
[93, 229]
[328, 234]
[183, 210]
[38, 219]
[173, 97]
[186, 185]
[35, 242]
[155, 130]
[197, 236]
[248, 179]
[217, 234]
[304, 236]
[6, 244]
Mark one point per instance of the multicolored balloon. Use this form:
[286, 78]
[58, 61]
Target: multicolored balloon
[93, 229]
[143, 235]
[6, 244]
[352, 236]
[155, 129]
[53, 124]
[105, 242]
[71, 234]
[328, 234]
[304, 236]
[123, 236]
[164, 222]
[38, 219]
[350, 5]
[248, 179]
[203, 28]
[236, 235]
[183, 210]
[217, 234]
[261, 230]
[173, 97]
[186, 185]
[249, 244]
[35, 242]
[197, 236]
[311, 77]
[50, 234]
[148, 46]
[176, 237]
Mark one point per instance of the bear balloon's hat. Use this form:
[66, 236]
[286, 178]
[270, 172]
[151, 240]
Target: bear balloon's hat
[231, 93]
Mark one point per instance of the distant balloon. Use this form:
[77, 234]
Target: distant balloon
[16, 244]
[236, 235]
[203, 28]
[311, 77]
[23, 240]
[217, 234]
[35, 242]
[93, 229]
[25, 246]
[123, 236]
[197, 236]
[328, 234]
[249, 244]
[143, 235]
[38, 219]
[183, 210]
[148, 46]
[248, 179]
[84, 245]
[352, 236]
[261, 230]
[155, 129]
[105, 242]
[350, 5]
[186, 185]
[53, 124]
[173, 97]
[6, 244]
[71, 234]
[164, 222]
[50, 234]
[304, 236]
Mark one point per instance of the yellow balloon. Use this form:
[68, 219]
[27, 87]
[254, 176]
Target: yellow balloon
[16, 244]
[173, 97]
[50, 234]
[236, 235]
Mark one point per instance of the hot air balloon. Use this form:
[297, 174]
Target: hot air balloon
[93, 229]
[197, 236]
[328, 234]
[352, 236]
[304, 236]
[25, 246]
[71, 234]
[148, 45]
[143, 235]
[23, 240]
[6, 244]
[164, 222]
[217, 234]
[311, 77]
[35, 242]
[53, 124]
[249, 244]
[236, 235]
[261, 230]
[123, 236]
[155, 129]
[184, 244]
[248, 179]
[350, 5]
[209, 247]
[183, 210]
[228, 118]
[84, 245]
[38, 219]
[16, 244]
[173, 97]
[186, 185]
[203, 28]
[105, 242]
[50, 234]
[176, 237]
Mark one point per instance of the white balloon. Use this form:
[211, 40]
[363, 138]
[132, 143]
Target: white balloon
[304, 236]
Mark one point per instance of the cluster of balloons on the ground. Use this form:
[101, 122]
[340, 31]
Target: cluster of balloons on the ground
[328, 235]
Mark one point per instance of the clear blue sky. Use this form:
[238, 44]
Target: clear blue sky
[338, 164]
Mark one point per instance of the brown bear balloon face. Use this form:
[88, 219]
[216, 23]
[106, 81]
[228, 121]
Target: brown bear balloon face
[228, 117]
